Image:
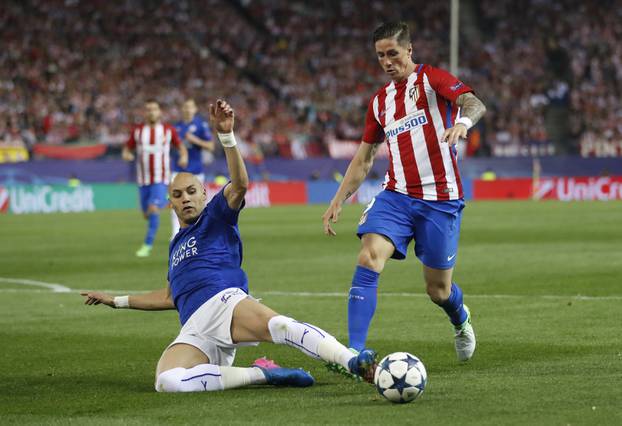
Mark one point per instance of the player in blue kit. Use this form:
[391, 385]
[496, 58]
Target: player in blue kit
[209, 289]
[196, 135]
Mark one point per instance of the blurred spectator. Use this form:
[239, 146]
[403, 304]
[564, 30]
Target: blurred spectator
[300, 72]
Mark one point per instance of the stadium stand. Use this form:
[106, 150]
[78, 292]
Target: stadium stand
[301, 72]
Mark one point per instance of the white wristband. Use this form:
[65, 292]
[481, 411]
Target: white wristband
[227, 139]
[466, 121]
[122, 302]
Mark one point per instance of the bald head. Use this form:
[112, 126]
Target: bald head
[188, 198]
[182, 179]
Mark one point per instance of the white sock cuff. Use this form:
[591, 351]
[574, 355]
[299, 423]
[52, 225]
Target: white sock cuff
[235, 377]
[278, 328]
[330, 350]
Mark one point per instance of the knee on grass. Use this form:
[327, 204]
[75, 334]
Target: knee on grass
[168, 381]
[204, 377]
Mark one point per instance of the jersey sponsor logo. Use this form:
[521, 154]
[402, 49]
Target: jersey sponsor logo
[184, 250]
[152, 149]
[406, 124]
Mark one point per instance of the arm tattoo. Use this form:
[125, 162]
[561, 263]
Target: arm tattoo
[348, 195]
[471, 106]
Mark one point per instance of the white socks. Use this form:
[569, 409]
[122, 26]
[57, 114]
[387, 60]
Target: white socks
[309, 339]
[208, 377]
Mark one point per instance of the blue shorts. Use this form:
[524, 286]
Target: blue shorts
[434, 225]
[156, 195]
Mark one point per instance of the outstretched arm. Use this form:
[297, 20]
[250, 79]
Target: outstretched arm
[195, 140]
[471, 110]
[155, 301]
[355, 175]
[222, 118]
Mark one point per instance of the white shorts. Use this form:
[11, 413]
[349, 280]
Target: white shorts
[209, 327]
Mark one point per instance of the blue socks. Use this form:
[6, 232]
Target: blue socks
[152, 228]
[362, 305]
[453, 306]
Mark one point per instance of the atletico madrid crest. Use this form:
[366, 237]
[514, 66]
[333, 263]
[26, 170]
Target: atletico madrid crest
[413, 93]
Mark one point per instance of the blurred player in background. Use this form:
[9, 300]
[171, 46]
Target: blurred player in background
[151, 141]
[194, 131]
[416, 113]
[210, 290]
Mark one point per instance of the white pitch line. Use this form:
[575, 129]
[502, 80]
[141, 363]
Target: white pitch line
[468, 296]
[58, 288]
[116, 291]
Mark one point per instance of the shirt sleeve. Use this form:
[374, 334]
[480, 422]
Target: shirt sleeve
[373, 133]
[175, 141]
[446, 84]
[131, 141]
[219, 208]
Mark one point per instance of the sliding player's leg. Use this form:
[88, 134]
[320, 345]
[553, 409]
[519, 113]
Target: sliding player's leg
[253, 321]
[186, 368]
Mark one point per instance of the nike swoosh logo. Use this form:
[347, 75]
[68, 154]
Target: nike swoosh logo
[450, 257]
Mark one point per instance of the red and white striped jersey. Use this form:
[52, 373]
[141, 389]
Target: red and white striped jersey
[412, 116]
[153, 147]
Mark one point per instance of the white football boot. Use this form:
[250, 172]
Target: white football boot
[465, 338]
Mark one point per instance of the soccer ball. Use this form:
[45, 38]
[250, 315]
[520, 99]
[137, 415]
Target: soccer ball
[400, 377]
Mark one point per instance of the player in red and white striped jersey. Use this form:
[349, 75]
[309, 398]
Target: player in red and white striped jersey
[152, 141]
[421, 114]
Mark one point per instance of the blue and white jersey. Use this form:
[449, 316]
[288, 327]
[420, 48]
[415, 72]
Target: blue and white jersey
[206, 257]
[200, 128]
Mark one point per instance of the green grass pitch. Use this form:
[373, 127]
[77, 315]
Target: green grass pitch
[545, 356]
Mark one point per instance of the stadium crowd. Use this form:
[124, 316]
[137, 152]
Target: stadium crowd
[300, 73]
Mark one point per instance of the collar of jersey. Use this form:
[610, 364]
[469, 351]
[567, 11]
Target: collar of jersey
[183, 231]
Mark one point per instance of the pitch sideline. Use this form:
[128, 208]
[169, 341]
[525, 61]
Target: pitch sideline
[59, 288]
